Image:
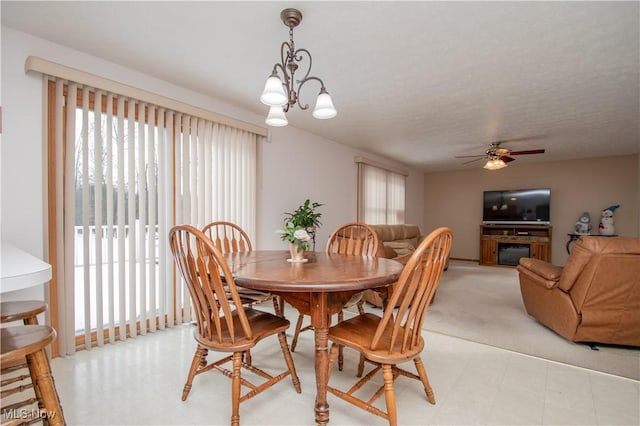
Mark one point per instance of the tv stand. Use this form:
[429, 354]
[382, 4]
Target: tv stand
[504, 245]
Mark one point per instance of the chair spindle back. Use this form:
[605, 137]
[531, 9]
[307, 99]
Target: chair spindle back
[413, 293]
[228, 237]
[206, 274]
[355, 239]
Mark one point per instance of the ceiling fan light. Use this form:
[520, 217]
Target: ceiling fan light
[324, 106]
[494, 164]
[273, 94]
[276, 117]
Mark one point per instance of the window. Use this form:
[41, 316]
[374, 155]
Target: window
[121, 173]
[381, 194]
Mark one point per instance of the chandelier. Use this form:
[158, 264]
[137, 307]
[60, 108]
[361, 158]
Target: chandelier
[281, 92]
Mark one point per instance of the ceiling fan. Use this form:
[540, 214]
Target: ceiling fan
[497, 156]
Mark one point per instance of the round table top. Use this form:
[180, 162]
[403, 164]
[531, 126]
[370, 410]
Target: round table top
[269, 270]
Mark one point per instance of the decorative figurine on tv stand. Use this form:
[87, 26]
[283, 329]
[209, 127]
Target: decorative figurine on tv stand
[606, 221]
[583, 225]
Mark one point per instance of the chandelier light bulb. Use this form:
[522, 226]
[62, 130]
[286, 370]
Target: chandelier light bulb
[276, 117]
[273, 94]
[324, 106]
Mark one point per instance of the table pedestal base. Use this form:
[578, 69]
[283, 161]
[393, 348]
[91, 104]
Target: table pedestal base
[320, 307]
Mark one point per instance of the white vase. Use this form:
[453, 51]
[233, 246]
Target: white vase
[295, 254]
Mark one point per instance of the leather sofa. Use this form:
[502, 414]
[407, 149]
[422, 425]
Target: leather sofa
[594, 298]
[398, 242]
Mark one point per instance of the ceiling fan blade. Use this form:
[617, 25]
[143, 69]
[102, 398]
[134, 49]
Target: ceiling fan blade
[470, 156]
[471, 161]
[531, 151]
[520, 139]
[496, 151]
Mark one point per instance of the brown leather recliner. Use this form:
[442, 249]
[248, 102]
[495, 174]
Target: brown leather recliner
[595, 297]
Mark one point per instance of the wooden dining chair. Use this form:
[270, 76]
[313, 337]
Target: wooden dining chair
[224, 324]
[395, 337]
[353, 239]
[228, 237]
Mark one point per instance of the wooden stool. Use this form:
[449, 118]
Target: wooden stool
[30, 341]
[25, 310]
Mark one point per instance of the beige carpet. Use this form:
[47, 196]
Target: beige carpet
[483, 304]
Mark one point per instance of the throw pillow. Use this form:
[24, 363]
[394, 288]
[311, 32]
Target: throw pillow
[389, 253]
[402, 248]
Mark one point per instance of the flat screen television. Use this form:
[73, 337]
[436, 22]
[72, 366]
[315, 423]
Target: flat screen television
[517, 206]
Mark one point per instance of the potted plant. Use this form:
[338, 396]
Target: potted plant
[300, 227]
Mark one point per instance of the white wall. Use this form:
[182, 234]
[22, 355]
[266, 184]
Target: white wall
[300, 165]
[294, 166]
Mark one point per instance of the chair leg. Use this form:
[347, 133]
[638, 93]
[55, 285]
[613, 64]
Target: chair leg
[34, 382]
[235, 389]
[34, 321]
[424, 379]
[360, 366]
[203, 360]
[389, 396]
[278, 305]
[332, 359]
[341, 347]
[39, 366]
[247, 357]
[282, 337]
[195, 364]
[296, 333]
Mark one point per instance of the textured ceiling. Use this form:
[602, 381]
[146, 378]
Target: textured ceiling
[419, 82]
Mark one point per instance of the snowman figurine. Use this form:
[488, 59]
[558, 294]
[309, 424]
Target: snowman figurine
[583, 225]
[606, 221]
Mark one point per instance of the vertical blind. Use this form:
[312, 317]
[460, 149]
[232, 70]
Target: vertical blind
[215, 179]
[123, 172]
[381, 195]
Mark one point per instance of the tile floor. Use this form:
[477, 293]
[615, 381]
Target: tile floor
[139, 382]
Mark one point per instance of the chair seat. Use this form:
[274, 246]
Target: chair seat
[20, 310]
[249, 296]
[262, 324]
[357, 333]
[19, 341]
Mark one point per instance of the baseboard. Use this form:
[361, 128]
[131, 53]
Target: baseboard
[464, 260]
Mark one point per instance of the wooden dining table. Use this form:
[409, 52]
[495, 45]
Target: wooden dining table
[318, 287]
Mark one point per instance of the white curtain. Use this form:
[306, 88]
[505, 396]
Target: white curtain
[395, 197]
[381, 195]
[131, 170]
